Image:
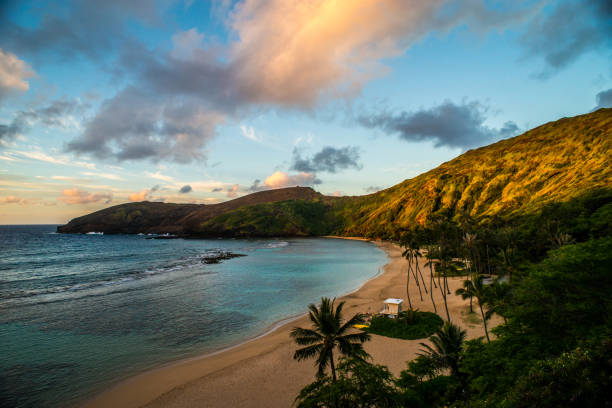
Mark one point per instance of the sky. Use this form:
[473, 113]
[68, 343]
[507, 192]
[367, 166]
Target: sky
[103, 103]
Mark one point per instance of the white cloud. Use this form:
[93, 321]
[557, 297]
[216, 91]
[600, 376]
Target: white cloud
[102, 175]
[60, 160]
[159, 176]
[249, 133]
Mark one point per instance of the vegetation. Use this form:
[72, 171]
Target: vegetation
[475, 288]
[329, 333]
[409, 325]
[552, 290]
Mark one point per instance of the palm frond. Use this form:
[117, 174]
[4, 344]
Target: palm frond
[307, 352]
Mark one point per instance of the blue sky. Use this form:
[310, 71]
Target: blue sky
[103, 103]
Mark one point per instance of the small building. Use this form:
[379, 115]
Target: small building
[392, 307]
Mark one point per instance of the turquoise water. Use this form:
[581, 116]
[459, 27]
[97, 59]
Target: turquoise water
[80, 312]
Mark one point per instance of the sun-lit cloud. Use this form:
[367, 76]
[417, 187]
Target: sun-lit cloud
[14, 200]
[76, 196]
[13, 74]
[280, 179]
[143, 195]
[281, 55]
[232, 191]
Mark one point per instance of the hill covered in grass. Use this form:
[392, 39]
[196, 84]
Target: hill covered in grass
[555, 162]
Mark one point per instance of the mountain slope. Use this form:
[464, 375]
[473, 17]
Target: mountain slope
[153, 217]
[554, 162]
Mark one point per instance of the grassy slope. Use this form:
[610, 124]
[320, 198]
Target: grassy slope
[557, 161]
[554, 162]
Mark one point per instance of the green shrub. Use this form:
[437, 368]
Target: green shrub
[409, 325]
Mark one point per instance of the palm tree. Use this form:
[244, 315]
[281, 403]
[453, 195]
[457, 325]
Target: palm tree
[475, 288]
[429, 255]
[498, 298]
[406, 254]
[445, 351]
[328, 333]
[411, 254]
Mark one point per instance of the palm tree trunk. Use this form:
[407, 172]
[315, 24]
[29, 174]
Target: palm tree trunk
[420, 273]
[417, 282]
[333, 367]
[484, 321]
[444, 294]
[333, 370]
[408, 286]
[431, 282]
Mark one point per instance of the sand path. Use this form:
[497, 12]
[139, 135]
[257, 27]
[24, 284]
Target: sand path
[262, 372]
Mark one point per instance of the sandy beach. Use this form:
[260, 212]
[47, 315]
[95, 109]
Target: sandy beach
[262, 372]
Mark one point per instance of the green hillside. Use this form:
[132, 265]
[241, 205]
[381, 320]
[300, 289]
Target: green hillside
[555, 162]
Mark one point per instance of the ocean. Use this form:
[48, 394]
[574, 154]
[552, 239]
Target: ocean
[81, 312]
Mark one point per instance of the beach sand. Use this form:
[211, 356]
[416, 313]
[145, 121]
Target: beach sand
[262, 372]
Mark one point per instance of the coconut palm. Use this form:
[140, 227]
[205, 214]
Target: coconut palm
[475, 288]
[430, 260]
[406, 254]
[411, 255]
[328, 333]
[498, 298]
[445, 349]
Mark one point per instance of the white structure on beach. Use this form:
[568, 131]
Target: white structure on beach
[392, 307]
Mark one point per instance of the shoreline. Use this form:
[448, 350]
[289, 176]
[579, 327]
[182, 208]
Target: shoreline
[260, 371]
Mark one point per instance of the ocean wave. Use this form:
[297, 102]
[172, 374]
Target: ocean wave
[48, 294]
[94, 233]
[279, 244]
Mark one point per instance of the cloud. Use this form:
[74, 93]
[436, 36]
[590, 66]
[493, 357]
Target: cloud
[136, 125]
[14, 200]
[329, 159]
[233, 191]
[249, 133]
[76, 196]
[13, 74]
[78, 28]
[108, 176]
[143, 195]
[59, 113]
[604, 99]
[59, 160]
[372, 189]
[216, 190]
[280, 179]
[282, 55]
[159, 176]
[296, 55]
[448, 124]
[185, 189]
[571, 29]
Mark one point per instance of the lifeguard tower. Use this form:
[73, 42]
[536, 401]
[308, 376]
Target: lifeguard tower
[392, 307]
